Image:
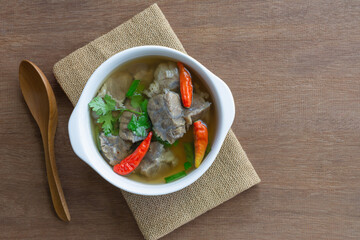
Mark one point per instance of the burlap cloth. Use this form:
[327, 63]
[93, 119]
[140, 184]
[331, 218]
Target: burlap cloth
[231, 172]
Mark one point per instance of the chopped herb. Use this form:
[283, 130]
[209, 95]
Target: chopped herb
[128, 110]
[109, 114]
[208, 149]
[97, 139]
[132, 88]
[136, 100]
[176, 176]
[139, 125]
[189, 152]
[137, 97]
[164, 142]
[102, 106]
[143, 106]
[107, 121]
[115, 130]
[187, 165]
[189, 155]
[110, 102]
[140, 88]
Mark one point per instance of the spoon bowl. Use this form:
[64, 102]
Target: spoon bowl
[41, 101]
[35, 94]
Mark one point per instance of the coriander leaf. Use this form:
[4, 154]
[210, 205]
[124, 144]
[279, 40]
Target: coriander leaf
[123, 109]
[164, 142]
[175, 176]
[139, 125]
[136, 100]
[141, 131]
[102, 107]
[187, 165]
[132, 124]
[110, 103]
[107, 121]
[140, 88]
[132, 88]
[143, 106]
[144, 121]
[98, 106]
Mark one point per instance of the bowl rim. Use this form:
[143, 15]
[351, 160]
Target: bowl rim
[81, 134]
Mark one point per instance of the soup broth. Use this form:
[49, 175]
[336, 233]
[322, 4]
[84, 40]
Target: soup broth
[147, 71]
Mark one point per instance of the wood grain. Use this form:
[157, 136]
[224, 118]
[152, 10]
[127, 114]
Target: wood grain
[294, 69]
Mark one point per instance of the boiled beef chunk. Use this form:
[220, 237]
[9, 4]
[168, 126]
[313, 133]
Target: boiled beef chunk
[199, 107]
[143, 72]
[166, 114]
[113, 148]
[166, 76]
[156, 160]
[116, 87]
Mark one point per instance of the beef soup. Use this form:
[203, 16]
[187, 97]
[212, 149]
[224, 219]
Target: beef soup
[142, 100]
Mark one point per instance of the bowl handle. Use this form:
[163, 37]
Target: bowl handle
[74, 135]
[226, 100]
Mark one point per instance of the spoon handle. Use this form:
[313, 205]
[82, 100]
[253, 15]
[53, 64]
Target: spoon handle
[57, 194]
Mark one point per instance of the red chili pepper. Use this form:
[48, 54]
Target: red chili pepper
[201, 141]
[128, 164]
[186, 87]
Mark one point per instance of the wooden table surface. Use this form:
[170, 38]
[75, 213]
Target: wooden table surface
[294, 70]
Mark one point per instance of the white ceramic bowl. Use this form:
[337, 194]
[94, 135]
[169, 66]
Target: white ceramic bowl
[80, 129]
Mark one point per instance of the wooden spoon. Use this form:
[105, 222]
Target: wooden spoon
[40, 99]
